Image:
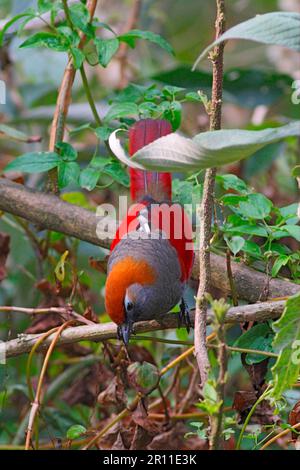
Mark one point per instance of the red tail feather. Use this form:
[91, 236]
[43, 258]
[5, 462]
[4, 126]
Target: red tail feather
[147, 183]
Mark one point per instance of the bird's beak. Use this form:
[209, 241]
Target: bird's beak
[126, 330]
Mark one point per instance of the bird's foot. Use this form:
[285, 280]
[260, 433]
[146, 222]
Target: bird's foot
[119, 333]
[184, 318]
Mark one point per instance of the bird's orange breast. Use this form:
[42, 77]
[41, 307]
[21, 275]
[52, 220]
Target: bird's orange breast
[124, 273]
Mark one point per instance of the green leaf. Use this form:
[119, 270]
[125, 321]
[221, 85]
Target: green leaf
[210, 403]
[80, 18]
[13, 134]
[208, 149]
[117, 173]
[132, 93]
[60, 268]
[72, 37]
[34, 162]
[257, 230]
[67, 152]
[173, 114]
[75, 431]
[235, 244]
[119, 110]
[252, 249]
[280, 261]
[296, 171]
[89, 178]
[287, 343]
[78, 57]
[193, 96]
[44, 6]
[103, 132]
[134, 34]
[233, 182]
[106, 49]
[280, 249]
[143, 377]
[293, 231]
[201, 433]
[148, 109]
[106, 26]
[99, 162]
[49, 40]
[258, 337]
[152, 94]
[290, 213]
[184, 192]
[232, 199]
[279, 28]
[257, 206]
[68, 173]
[171, 91]
[77, 198]
[81, 128]
[7, 25]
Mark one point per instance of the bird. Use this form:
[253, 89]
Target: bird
[152, 253]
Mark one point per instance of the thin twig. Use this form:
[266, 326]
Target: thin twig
[95, 113]
[217, 421]
[68, 311]
[89, 96]
[37, 398]
[190, 393]
[251, 412]
[230, 278]
[206, 208]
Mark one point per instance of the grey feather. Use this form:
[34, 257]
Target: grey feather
[156, 299]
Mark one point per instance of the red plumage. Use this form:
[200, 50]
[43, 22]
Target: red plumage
[145, 182]
[146, 187]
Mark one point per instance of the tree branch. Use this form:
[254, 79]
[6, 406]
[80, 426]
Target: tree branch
[100, 332]
[207, 203]
[49, 212]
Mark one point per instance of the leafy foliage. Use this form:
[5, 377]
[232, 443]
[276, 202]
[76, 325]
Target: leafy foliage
[208, 149]
[256, 222]
[280, 28]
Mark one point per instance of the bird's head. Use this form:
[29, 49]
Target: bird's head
[127, 293]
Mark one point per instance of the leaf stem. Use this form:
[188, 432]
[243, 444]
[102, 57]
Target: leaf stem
[279, 435]
[247, 420]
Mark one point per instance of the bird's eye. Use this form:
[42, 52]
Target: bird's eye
[128, 304]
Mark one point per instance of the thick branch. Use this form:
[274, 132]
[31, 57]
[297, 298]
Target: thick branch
[49, 212]
[101, 332]
[250, 284]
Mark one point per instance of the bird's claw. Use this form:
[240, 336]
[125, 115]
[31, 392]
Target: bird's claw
[119, 333]
[184, 318]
